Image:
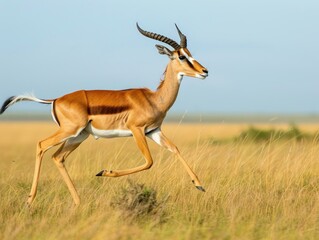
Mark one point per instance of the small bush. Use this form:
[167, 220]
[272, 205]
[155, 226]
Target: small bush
[257, 135]
[138, 202]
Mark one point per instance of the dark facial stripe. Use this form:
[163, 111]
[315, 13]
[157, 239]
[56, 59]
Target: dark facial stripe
[189, 63]
[101, 110]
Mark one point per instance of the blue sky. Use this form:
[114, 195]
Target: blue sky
[262, 56]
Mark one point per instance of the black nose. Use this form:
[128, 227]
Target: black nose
[205, 70]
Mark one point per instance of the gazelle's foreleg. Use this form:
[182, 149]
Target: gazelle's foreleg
[158, 137]
[139, 136]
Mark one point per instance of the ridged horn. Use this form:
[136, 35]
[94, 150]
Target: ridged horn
[182, 37]
[159, 37]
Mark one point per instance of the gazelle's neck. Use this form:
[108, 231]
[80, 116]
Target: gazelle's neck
[167, 91]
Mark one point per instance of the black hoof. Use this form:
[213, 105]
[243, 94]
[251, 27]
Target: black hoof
[100, 173]
[200, 188]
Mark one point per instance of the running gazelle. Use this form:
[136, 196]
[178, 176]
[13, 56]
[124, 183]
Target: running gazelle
[107, 113]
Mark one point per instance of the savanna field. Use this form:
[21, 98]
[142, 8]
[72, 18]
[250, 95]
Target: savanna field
[265, 188]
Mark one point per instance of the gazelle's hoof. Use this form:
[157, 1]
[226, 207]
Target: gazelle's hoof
[29, 201]
[100, 173]
[106, 173]
[200, 188]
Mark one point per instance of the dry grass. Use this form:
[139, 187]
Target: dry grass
[253, 190]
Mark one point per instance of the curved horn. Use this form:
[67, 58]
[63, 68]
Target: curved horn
[182, 37]
[159, 37]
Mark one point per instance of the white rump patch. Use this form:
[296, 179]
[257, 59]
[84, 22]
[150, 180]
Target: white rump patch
[53, 115]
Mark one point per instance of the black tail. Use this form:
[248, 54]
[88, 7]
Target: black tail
[6, 104]
[12, 100]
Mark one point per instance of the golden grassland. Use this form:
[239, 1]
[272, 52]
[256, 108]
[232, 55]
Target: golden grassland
[265, 190]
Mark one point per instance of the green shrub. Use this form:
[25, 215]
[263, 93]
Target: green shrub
[257, 135]
[137, 202]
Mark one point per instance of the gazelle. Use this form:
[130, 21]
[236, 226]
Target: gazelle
[106, 113]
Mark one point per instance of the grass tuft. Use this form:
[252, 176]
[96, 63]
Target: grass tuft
[138, 202]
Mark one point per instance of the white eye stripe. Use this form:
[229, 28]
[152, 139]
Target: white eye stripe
[184, 53]
[188, 57]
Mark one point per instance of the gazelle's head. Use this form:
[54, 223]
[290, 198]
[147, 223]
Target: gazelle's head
[183, 61]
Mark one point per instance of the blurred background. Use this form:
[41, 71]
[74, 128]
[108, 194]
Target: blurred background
[262, 56]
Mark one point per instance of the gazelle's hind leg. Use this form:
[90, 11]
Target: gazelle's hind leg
[158, 137]
[59, 157]
[59, 137]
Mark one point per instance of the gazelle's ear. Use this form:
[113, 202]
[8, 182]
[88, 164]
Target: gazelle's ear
[164, 50]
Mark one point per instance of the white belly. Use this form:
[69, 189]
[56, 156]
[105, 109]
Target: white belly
[99, 133]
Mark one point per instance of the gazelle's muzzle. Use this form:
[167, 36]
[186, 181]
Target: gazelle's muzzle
[205, 73]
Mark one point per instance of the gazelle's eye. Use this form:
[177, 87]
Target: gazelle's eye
[182, 57]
